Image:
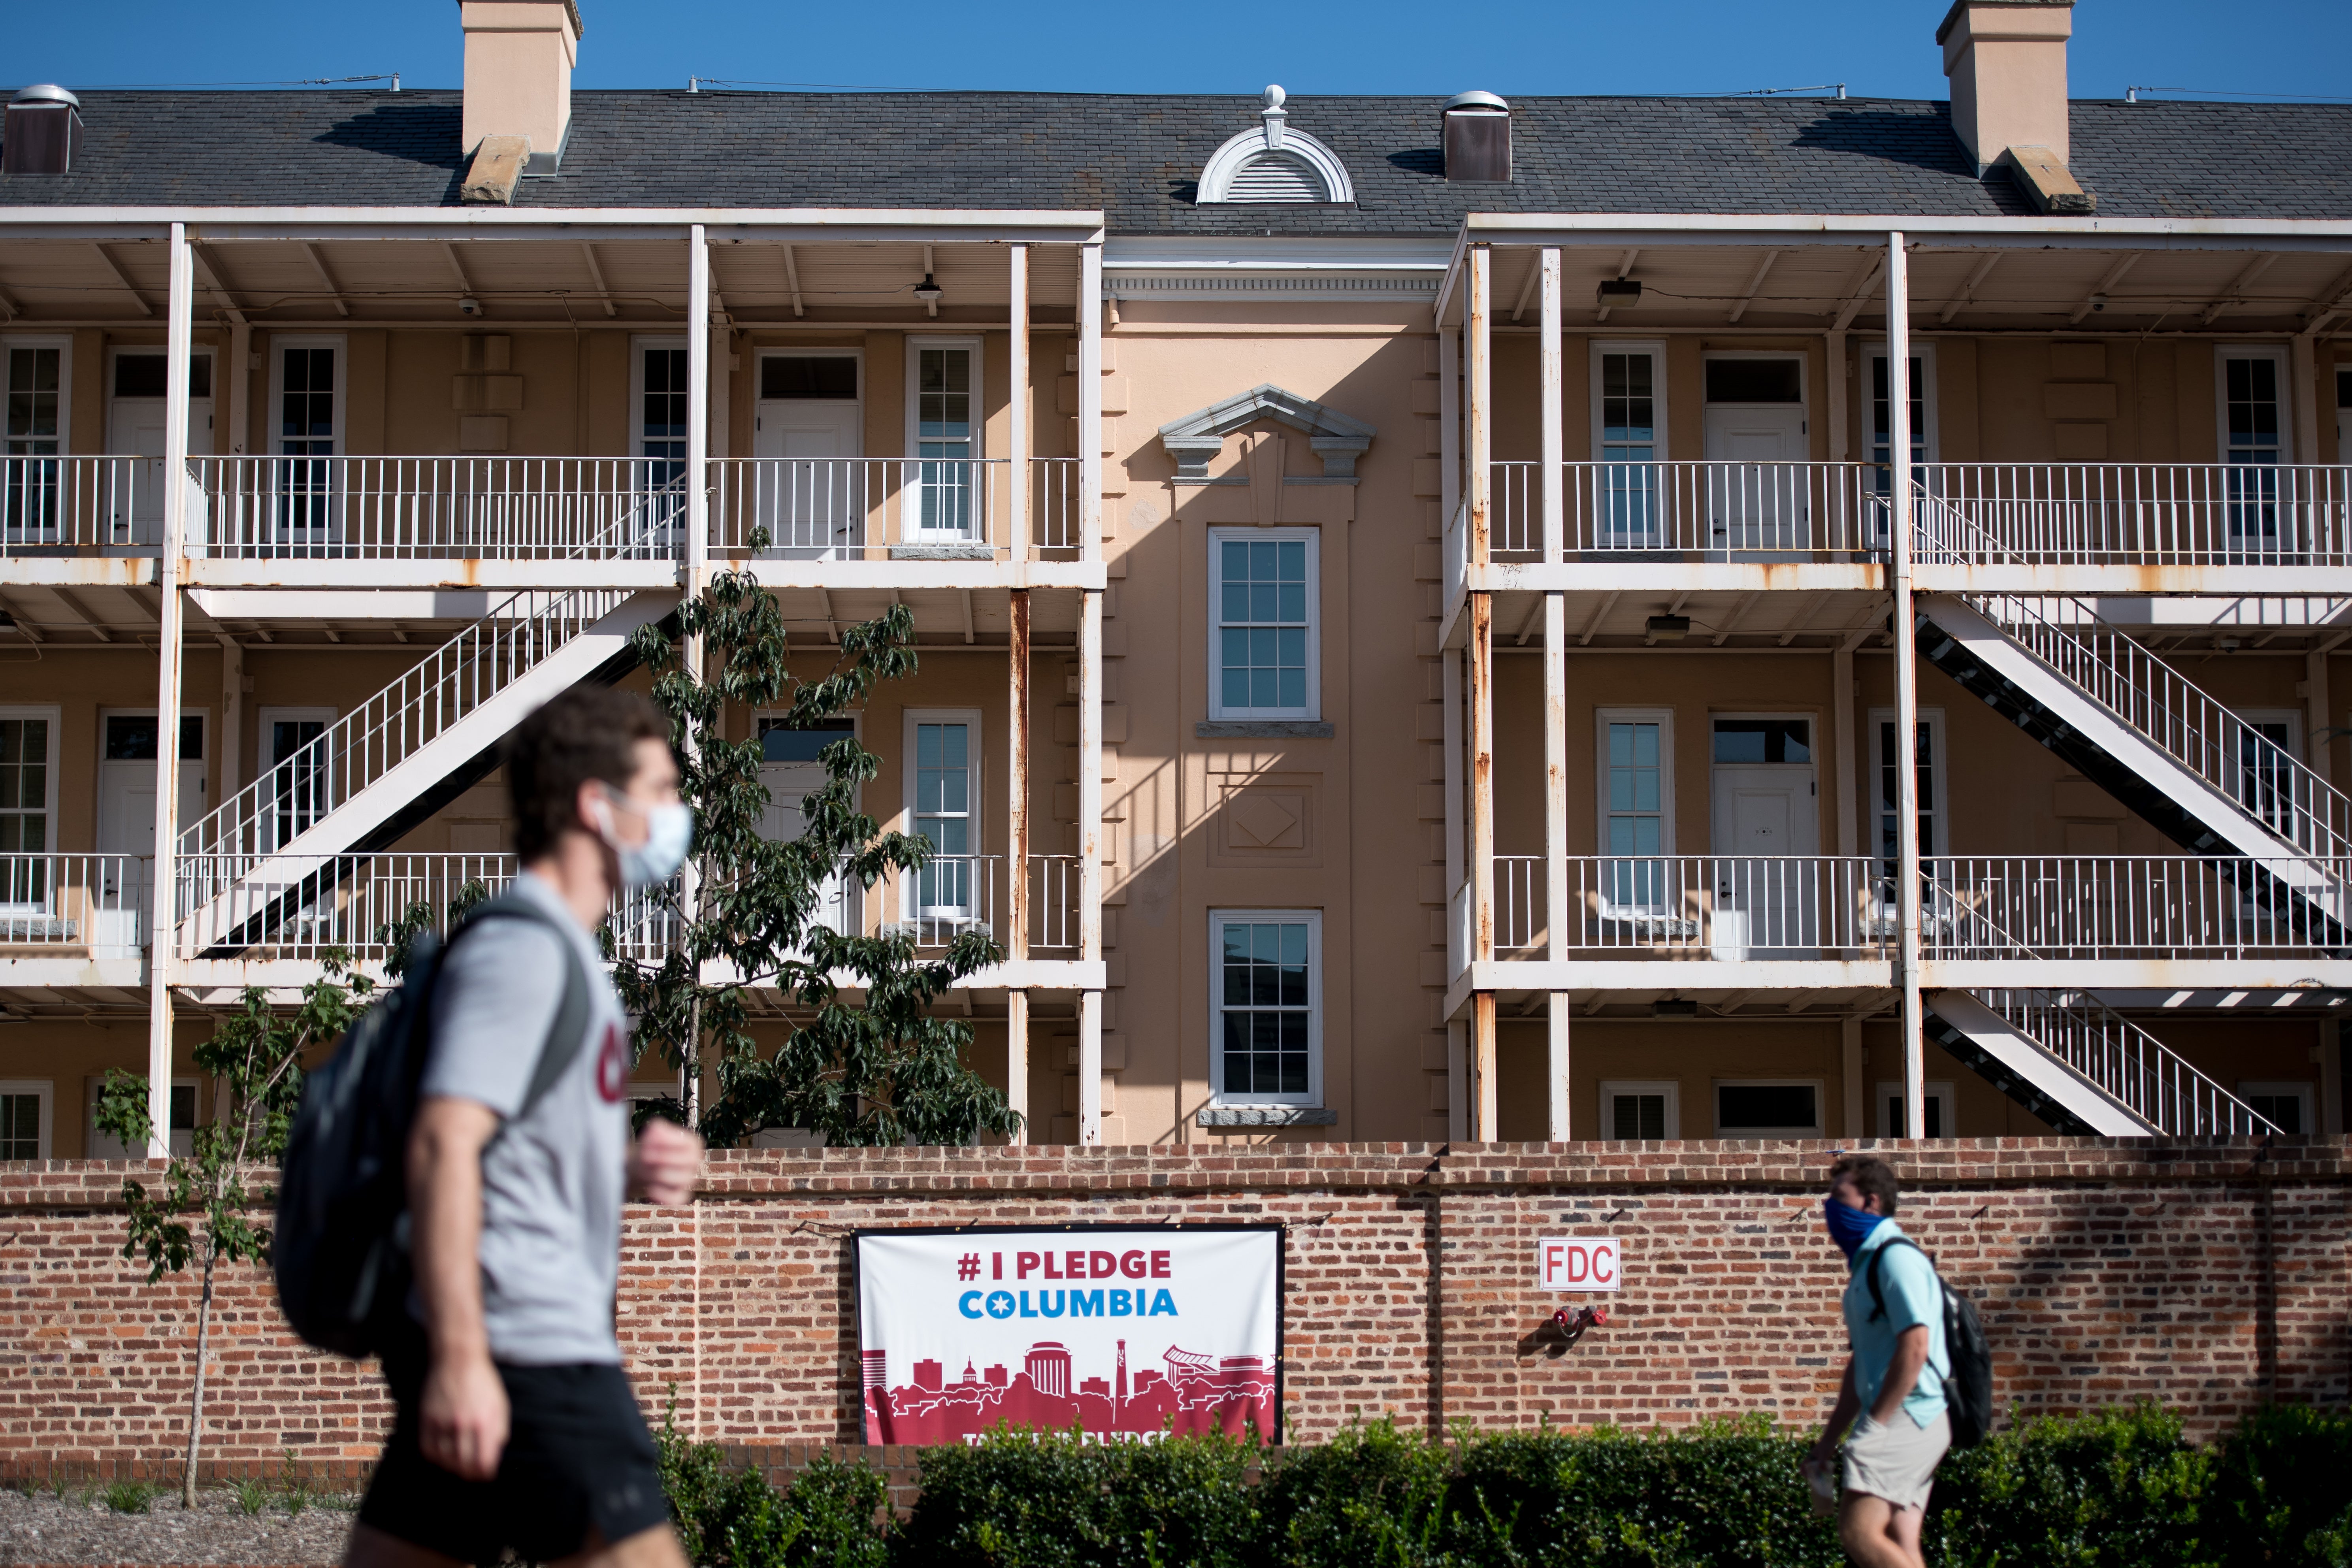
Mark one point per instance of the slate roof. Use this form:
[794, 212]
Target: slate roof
[1137, 156]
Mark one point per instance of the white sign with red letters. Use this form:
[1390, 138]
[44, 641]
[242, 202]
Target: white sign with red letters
[1578, 1263]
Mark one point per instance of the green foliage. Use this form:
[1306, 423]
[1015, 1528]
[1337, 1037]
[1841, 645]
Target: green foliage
[398, 936]
[2113, 1487]
[252, 1497]
[882, 1072]
[1372, 1496]
[2282, 1489]
[128, 1497]
[831, 1516]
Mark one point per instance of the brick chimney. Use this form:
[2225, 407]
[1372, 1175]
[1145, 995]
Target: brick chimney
[518, 61]
[2007, 59]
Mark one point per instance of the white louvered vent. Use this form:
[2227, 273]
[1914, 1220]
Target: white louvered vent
[1275, 177]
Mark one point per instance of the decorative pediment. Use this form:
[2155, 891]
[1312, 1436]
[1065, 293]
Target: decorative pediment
[1197, 438]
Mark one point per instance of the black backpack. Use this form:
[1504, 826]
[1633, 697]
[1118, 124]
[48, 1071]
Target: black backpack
[1967, 1392]
[340, 1249]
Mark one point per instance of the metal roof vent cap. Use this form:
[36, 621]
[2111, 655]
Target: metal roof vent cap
[1477, 138]
[42, 132]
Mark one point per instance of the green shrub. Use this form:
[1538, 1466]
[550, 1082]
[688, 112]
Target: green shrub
[830, 1516]
[1370, 1497]
[128, 1497]
[2113, 1486]
[2281, 1493]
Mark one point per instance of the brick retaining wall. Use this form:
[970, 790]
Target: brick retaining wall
[2209, 1277]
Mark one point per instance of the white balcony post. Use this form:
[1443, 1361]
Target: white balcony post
[1480, 310]
[1017, 840]
[1016, 411]
[1907, 686]
[169, 570]
[1090, 326]
[236, 379]
[1090, 849]
[698, 561]
[1555, 511]
[1555, 549]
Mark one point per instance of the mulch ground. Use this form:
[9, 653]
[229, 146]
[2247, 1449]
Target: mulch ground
[79, 1531]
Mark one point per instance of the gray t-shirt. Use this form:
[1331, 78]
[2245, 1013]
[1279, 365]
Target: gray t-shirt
[554, 1180]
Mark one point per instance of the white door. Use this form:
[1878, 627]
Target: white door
[126, 815]
[812, 496]
[1768, 892]
[790, 774]
[135, 429]
[1756, 509]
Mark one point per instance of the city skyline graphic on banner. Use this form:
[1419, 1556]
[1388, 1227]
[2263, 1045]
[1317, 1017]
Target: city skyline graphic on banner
[1197, 1392]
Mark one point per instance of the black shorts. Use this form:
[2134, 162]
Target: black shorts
[577, 1455]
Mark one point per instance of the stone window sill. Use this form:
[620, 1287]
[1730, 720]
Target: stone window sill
[1265, 1116]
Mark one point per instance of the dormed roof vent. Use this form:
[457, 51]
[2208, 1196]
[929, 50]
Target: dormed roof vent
[43, 132]
[1477, 137]
[1274, 163]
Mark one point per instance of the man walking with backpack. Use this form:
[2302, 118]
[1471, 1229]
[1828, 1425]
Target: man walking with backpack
[1894, 1394]
[516, 1426]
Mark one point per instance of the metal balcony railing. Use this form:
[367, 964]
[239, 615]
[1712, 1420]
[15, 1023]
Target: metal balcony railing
[2127, 1062]
[92, 905]
[2266, 782]
[1694, 511]
[68, 505]
[513, 509]
[861, 508]
[1726, 906]
[2120, 906]
[2135, 514]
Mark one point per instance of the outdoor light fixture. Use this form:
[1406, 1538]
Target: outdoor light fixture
[1674, 1008]
[1667, 628]
[928, 291]
[470, 306]
[1621, 292]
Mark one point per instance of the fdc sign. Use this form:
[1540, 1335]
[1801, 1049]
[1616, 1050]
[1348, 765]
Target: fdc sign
[1578, 1263]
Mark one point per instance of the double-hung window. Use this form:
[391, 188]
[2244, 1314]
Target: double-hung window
[1265, 1003]
[1636, 756]
[1885, 759]
[658, 416]
[943, 375]
[28, 780]
[35, 375]
[943, 806]
[308, 402]
[1629, 439]
[25, 1120]
[1263, 593]
[2253, 395]
[1919, 423]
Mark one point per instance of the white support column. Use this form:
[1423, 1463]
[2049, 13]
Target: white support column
[1016, 410]
[1090, 852]
[1016, 854]
[696, 566]
[1478, 331]
[1836, 413]
[236, 378]
[1555, 545]
[1090, 327]
[170, 572]
[1480, 312]
[1906, 688]
[1016, 1062]
[1555, 511]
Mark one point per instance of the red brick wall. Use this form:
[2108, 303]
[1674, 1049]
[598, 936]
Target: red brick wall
[2206, 1276]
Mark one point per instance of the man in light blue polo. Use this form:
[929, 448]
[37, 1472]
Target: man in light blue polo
[1892, 1394]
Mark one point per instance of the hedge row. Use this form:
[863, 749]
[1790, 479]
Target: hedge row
[2115, 1487]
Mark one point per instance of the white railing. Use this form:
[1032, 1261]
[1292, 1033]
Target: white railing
[1694, 511]
[364, 744]
[2294, 805]
[257, 906]
[526, 508]
[2128, 1063]
[1726, 906]
[2138, 514]
[1053, 906]
[2121, 906]
[861, 508]
[92, 904]
[51, 505]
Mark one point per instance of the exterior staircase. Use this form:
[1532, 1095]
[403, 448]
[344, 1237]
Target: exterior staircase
[2084, 1068]
[390, 764]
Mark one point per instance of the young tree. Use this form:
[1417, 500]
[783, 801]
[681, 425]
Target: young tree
[202, 1211]
[881, 1072]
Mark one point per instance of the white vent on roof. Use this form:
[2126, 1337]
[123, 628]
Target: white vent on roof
[1274, 163]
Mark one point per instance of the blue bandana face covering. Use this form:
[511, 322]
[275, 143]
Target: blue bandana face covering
[1849, 1227]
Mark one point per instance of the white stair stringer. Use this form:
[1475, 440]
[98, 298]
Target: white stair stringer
[2014, 1062]
[2233, 830]
[376, 760]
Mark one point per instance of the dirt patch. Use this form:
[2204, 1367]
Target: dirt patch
[81, 1529]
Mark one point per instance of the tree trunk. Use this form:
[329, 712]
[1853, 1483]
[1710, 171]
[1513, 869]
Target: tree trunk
[196, 1399]
[693, 1068]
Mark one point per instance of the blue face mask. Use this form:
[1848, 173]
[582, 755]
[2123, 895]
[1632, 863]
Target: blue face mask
[669, 833]
[1850, 1227]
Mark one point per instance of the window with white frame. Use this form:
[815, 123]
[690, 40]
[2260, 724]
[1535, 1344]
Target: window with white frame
[25, 1119]
[1885, 758]
[1646, 1111]
[2250, 394]
[1637, 748]
[1876, 370]
[182, 1141]
[2286, 1105]
[657, 419]
[943, 806]
[1768, 1108]
[1629, 437]
[943, 417]
[307, 405]
[1263, 611]
[28, 806]
[1265, 1004]
[36, 374]
[1939, 1102]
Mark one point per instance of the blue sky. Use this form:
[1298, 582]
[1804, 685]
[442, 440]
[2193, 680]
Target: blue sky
[1880, 47]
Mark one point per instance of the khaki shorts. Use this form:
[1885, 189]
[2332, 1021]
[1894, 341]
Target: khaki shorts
[1896, 1461]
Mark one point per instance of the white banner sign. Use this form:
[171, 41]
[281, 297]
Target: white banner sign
[1578, 1263]
[1127, 1332]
